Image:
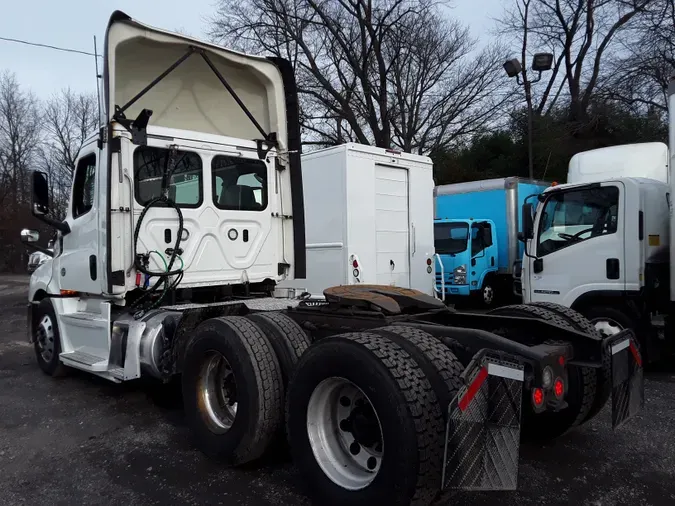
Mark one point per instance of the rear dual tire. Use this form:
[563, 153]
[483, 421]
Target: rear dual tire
[582, 397]
[402, 377]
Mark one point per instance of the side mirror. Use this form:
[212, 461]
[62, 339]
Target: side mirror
[29, 236]
[528, 223]
[40, 194]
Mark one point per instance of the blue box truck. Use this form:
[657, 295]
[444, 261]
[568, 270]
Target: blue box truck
[476, 228]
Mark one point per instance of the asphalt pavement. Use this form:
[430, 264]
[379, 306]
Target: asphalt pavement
[83, 440]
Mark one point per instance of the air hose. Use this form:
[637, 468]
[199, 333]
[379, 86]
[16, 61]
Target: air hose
[164, 277]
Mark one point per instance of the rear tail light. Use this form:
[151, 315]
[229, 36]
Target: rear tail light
[356, 273]
[355, 264]
[559, 388]
[428, 261]
[538, 397]
[561, 361]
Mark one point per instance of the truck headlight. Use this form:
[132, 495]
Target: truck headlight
[459, 275]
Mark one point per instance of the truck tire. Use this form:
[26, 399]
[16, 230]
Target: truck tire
[47, 339]
[441, 367]
[580, 395]
[603, 376]
[286, 337]
[488, 293]
[364, 424]
[232, 389]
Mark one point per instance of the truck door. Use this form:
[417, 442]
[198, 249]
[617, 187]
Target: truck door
[392, 229]
[579, 244]
[482, 253]
[79, 267]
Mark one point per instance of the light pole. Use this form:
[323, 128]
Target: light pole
[540, 63]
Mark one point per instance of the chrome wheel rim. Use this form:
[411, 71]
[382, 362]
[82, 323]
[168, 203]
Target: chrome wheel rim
[217, 393]
[606, 326]
[345, 433]
[45, 338]
[488, 294]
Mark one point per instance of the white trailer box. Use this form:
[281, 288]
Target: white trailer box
[648, 160]
[368, 218]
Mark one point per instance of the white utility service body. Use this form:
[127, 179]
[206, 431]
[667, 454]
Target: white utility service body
[614, 217]
[368, 218]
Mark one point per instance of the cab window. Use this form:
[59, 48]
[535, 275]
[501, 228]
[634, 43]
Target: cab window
[481, 237]
[569, 217]
[239, 184]
[84, 186]
[184, 181]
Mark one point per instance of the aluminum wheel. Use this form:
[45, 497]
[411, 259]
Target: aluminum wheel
[217, 393]
[606, 326]
[45, 338]
[345, 433]
[488, 295]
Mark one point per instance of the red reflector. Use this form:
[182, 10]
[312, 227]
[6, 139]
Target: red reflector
[428, 261]
[559, 387]
[473, 389]
[636, 354]
[138, 279]
[561, 360]
[355, 264]
[538, 397]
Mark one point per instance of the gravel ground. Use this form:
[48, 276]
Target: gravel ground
[82, 440]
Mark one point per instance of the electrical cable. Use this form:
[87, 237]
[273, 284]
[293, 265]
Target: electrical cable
[47, 46]
[164, 277]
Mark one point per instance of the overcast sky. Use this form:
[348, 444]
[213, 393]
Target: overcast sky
[73, 23]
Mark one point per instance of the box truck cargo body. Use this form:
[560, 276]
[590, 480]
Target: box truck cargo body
[480, 261]
[368, 218]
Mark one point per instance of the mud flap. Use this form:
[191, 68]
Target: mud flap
[628, 390]
[482, 439]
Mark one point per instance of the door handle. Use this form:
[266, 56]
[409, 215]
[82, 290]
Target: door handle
[392, 264]
[613, 268]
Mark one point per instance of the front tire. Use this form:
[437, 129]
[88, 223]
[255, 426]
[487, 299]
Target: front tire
[232, 390]
[364, 424]
[47, 340]
[488, 293]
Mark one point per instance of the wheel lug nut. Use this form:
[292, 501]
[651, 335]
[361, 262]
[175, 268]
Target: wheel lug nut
[355, 448]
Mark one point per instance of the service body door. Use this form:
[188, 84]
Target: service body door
[392, 230]
[579, 242]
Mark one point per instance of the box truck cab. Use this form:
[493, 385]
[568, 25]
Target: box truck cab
[466, 253]
[600, 243]
[476, 236]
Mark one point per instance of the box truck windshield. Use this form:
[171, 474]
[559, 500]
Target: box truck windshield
[450, 238]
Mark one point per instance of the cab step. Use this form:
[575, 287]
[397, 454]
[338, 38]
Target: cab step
[84, 361]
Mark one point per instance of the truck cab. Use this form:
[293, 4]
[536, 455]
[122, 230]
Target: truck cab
[600, 244]
[466, 252]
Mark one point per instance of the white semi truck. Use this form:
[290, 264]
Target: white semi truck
[600, 243]
[389, 396]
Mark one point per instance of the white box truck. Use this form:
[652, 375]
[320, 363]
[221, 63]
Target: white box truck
[368, 218]
[599, 244]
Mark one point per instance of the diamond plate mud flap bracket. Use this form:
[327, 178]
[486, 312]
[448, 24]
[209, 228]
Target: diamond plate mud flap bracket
[628, 388]
[482, 438]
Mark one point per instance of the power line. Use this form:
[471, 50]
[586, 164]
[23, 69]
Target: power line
[65, 49]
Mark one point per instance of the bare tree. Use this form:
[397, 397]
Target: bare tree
[582, 34]
[389, 73]
[68, 119]
[19, 136]
[640, 73]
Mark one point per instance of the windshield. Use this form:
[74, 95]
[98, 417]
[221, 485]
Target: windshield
[572, 216]
[450, 238]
